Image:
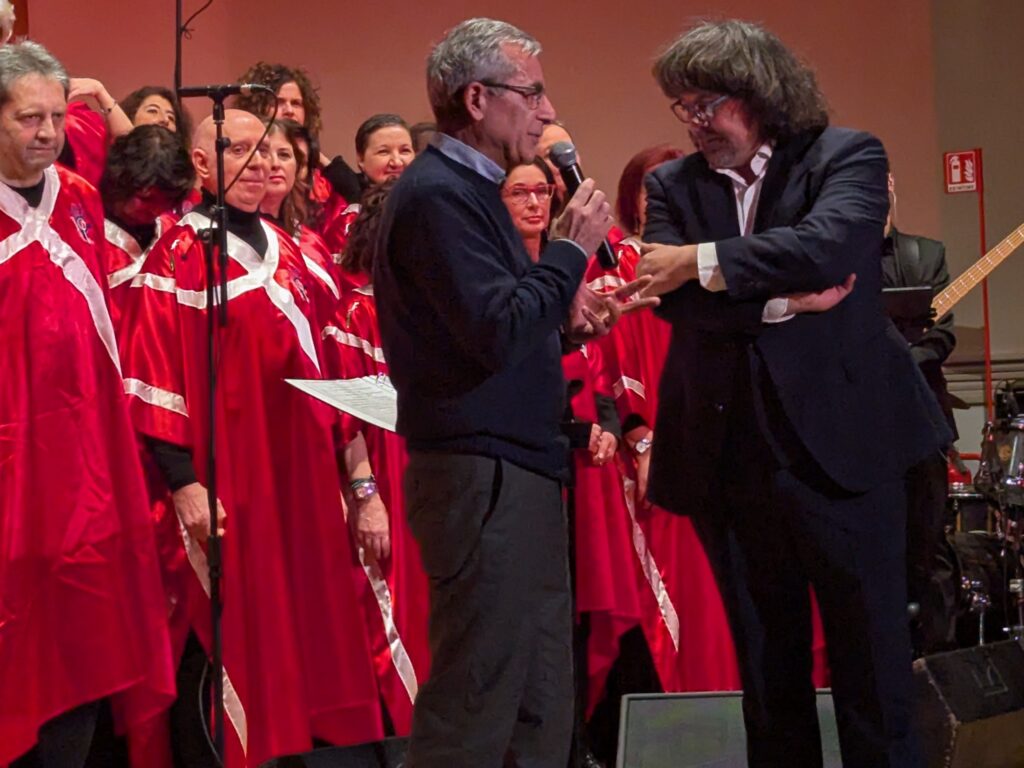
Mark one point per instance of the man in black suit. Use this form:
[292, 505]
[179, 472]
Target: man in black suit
[908, 261]
[795, 429]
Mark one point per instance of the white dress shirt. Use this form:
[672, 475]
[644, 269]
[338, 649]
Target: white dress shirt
[747, 196]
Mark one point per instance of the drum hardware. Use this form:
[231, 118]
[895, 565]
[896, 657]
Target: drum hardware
[1000, 474]
[988, 581]
[1016, 589]
[978, 601]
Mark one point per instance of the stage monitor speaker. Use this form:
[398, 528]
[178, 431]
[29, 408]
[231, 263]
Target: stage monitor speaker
[699, 730]
[970, 706]
[389, 753]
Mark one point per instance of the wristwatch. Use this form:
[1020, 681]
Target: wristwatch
[364, 487]
[641, 446]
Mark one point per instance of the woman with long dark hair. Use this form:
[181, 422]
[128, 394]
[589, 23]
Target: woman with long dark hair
[287, 204]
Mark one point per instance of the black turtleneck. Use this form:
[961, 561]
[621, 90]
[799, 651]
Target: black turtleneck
[245, 225]
[33, 195]
[144, 234]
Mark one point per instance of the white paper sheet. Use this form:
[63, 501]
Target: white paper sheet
[371, 398]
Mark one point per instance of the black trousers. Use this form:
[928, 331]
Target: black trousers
[930, 561]
[766, 551]
[493, 541]
[774, 526]
[82, 737]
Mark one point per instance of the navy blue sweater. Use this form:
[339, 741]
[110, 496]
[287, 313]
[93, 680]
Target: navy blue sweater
[469, 324]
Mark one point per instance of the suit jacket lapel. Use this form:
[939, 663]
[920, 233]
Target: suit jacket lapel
[713, 199]
[783, 160]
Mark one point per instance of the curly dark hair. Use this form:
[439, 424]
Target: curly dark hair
[148, 157]
[183, 123]
[632, 181]
[360, 249]
[274, 76]
[745, 60]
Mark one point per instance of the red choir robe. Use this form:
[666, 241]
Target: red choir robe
[86, 131]
[604, 546]
[332, 206]
[323, 271]
[683, 617]
[296, 658]
[685, 623]
[124, 256]
[336, 227]
[82, 613]
[396, 594]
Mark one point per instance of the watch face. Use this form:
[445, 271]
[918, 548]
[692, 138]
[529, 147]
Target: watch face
[642, 445]
[365, 491]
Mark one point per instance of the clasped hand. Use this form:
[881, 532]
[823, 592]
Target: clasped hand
[668, 267]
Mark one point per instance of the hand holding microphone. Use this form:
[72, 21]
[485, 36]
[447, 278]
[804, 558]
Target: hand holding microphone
[587, 216]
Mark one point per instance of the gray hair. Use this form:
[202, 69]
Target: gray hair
[27, 58]
[745, 60]
[470, 51]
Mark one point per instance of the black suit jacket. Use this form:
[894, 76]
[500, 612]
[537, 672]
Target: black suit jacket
[912, 260]
[844, 379]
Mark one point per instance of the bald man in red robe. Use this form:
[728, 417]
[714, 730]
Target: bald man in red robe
[296, 658]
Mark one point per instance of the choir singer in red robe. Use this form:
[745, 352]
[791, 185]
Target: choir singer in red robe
[82, 614]
[296, 658]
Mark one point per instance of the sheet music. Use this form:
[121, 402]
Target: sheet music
[371, 398]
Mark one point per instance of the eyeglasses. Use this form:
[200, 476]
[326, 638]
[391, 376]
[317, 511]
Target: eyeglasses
[520, 194]
[701, 114]
[534, 94]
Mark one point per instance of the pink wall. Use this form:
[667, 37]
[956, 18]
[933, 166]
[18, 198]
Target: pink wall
[873, 59]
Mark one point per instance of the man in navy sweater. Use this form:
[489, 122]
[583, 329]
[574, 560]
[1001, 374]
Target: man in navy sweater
[471, 333]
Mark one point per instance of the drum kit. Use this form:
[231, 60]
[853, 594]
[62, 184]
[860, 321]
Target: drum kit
[985, 535]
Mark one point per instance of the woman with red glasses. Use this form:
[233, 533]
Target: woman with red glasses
[607, 587]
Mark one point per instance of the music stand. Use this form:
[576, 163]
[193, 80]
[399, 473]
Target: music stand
[910, 308]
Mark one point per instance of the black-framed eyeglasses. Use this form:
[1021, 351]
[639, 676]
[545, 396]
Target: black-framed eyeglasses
[701, 113]
[534, 94]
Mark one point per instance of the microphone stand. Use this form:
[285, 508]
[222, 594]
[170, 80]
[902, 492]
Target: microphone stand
[215, 245]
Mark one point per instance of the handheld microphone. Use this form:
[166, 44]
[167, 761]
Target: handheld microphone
[563, 157]
[220, 91]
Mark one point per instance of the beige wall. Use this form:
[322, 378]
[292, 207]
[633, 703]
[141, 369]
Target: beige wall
[368, 57]
[924, 75]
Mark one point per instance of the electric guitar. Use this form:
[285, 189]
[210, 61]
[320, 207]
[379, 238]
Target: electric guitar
[977, 272]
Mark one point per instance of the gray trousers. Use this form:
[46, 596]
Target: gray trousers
[493, 541]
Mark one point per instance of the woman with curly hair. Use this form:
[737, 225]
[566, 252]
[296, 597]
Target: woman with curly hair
[296, 98]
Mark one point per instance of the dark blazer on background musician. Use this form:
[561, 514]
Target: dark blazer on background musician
[911, 260]
[845, 381]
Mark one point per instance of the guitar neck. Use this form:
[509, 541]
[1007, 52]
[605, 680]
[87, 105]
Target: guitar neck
[977, 272]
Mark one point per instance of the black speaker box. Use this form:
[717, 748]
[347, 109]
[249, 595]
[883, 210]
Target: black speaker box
[970, 707]
[389, 753]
